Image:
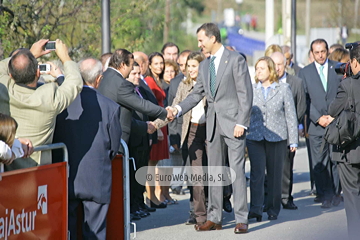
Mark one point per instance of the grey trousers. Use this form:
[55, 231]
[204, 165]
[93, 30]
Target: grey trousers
[217, 149]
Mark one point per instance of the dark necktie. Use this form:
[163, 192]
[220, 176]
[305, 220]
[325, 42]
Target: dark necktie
[212, 76]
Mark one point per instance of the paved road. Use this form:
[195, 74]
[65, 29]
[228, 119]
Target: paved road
[309, 222]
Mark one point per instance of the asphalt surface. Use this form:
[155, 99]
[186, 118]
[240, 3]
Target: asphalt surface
[309, 222]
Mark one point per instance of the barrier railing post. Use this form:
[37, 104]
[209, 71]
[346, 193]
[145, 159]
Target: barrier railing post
[126, 189]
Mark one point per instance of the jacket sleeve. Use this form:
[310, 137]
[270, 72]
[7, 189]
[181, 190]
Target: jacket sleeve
[290, 116]
[115, 133]
[70, 88]
[314, 114]
[244, 91]
[129, 99]
[300, 100]
[340, 101]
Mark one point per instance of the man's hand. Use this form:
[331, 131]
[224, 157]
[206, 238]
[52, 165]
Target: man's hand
[172, 112]
[151, 127]
[62, 51]
[175, 146]
[55, 71]
[238, 131]
[26, 146]
[293, 149]
[37, 49]
[325, 120]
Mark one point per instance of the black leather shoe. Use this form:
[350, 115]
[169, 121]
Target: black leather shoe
[289, 205]
[141, 213]
[161, 205]
[227, 205]
[143, 206]
[318, 199]
[272, 217]
[134, 217]
[326, 204]
[336, 200]
[254, 215]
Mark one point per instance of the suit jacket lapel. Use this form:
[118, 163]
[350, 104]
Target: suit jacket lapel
[272, 92]
[221, 69]
[206, 72]
[259, 94]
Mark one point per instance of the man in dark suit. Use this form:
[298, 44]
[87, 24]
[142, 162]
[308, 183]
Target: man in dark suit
[297, 89]
[91, 130]
[225, 81]
[139, 149]
[115, 87]
[321, 83]
[291, 67]
[347, 158]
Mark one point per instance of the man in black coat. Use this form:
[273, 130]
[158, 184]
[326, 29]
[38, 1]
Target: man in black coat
[347, 158]
[91, 130]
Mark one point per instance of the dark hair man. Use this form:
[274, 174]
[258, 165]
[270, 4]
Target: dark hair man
[321, 83]
[170, 51]
[225, 81]
[115, 86]
[348, 158]
[35, 107]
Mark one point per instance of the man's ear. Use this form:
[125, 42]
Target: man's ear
[38, 73]
[97, 81]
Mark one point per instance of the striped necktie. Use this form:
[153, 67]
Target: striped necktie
[212, 76]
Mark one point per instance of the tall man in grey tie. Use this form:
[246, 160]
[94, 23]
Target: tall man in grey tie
[225, 81]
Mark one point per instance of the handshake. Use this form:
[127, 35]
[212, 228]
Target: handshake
[172, 112]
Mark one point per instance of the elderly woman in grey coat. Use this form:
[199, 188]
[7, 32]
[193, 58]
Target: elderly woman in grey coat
[273, 124]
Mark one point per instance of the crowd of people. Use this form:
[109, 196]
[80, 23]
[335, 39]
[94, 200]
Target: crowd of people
[172, 108]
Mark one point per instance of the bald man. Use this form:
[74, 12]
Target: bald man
[298, 92]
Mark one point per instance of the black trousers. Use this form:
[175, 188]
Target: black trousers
[267, 156]
[350, 182]
[137, 189]
[287, 179]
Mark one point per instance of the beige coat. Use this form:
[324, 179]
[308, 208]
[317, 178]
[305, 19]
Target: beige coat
[35, 109]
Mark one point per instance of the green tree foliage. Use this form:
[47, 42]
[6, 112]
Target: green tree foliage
[135, 24]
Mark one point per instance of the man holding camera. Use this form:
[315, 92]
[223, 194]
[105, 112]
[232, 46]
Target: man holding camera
[35, 107]
[347, 158]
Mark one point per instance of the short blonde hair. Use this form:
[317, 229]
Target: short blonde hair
[172, 64]
[271, 49]
[8, 127]
[273, 77]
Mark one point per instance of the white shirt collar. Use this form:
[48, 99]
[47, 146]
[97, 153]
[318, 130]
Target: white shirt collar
[116, 71]
[318, 65]
[219, 52]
